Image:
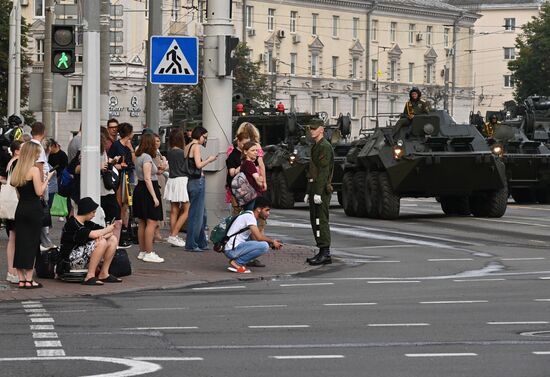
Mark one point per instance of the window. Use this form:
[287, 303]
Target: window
[335, 22]
[334, 66]
[446, 32]
[510, 24]
[354, 107]
[429, 73]
[354, 68]
[116, 36]
[334, 106]
[76, 97]
[270, 62]
[509, 53]
[270, 19]
[429, 35]
[249, 13]
[508, 81]
[176, 7]
[39, 8]
[355, 28]
[374, 72]
[412, 29]
[116, 23]
[374, 30]
[411, 72]
[39, 50]
[314, 17]
[116, 50]
[146, 9]
[293, 102]
[393, 31]
[393, 70]
[293, 62]
[293, 17]
[314, 63]
[313, 105]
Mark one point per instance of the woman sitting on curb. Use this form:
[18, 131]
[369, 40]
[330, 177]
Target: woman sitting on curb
[84, 244]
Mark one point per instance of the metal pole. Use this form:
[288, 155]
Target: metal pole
[104, 60]
[446, 93]
[455, 27]
[90, 179]
[17, 108]
[216, 108]
[153, 91]
[11, 64]
[47, 76]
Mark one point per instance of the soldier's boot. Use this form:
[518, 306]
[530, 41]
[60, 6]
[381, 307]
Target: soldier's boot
[314, 257]
[322, 258]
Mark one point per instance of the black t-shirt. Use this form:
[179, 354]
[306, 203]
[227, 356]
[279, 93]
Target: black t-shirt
[75, 234]
[60, 160]
[233, 161]
[117, 149]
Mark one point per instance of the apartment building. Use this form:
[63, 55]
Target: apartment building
[494, 41]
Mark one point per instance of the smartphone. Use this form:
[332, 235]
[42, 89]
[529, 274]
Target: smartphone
[112, 221]
[54, 168]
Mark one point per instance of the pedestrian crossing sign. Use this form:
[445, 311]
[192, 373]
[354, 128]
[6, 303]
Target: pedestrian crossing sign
[174, 60]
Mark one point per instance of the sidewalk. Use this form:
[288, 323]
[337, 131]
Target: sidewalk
[180, 269]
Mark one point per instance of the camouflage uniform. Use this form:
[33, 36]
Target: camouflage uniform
[412, 108]
[489, 128]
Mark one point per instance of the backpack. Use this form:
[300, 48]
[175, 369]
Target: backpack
[219, 236]
[110, 178]
[242, 190]
[65, 183]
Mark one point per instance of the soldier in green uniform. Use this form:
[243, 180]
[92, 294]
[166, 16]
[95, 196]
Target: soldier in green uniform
[490, 127]
[319, 191]
[415, 105]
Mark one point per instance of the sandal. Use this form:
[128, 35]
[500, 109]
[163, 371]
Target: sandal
[111, 279]
[22, 284]
[92, 281]
[33, 284]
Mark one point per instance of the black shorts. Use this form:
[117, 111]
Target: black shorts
[110, 206]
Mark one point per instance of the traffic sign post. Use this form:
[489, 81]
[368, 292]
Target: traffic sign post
[174, 60]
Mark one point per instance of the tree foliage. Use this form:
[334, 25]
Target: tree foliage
[248, 82]
[531, 68]
[5, 9]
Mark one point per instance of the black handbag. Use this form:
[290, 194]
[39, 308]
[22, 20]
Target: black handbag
[46, 263]
[110, 178]
[120, 265]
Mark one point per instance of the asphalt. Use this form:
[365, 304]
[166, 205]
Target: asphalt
[180, 269]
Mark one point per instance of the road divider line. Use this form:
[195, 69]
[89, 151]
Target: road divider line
[161, 328]
[278, 327]
[521, 259]
[393, 281]
[144, 309]
[542, 299]
[259, 306]
[440, 354]
[350, 304]
[545, 278]
[305, 357]
[541, 352]
[449, 259]
[146, 358]
[467, 280]
[382, 261]
[397, 324]
[304, 284]
[519, 323]
[214, 288]
[455, 302]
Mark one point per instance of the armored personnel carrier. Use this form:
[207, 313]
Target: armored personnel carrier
[287, 147]
[432, 156]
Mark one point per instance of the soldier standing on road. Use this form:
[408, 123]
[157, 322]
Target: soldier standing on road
[490, 127]
[319, 191]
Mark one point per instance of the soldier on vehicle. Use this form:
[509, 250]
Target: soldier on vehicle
[490, 127]
[319, 191]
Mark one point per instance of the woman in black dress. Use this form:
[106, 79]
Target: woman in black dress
[27, 178]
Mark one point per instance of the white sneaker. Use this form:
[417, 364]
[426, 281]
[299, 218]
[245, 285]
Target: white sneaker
[14, 279]
[152, 257]
[175, 241]
[141, 255]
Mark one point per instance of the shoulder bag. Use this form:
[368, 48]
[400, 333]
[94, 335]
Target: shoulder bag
[8, 200]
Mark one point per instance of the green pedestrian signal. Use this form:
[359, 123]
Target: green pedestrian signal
[63, 49]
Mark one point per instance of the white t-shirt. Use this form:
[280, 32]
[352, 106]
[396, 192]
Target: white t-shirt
[243, 221]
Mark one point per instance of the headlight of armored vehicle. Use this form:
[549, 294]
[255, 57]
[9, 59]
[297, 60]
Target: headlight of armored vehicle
[398, 150]
[429, 129]
[292, 158]
[497, 149]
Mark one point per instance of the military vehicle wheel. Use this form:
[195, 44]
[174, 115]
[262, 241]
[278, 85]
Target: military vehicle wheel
[284, 197]
[455, 205]
[523, 195]
[388, 203]
[372, 195]
[360, 183]
[491, 204]
[348, 196]
[543, 196]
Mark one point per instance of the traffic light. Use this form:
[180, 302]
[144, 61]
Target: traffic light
[226, 59]
[63, 46]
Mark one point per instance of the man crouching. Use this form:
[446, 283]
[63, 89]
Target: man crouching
[84, 244]
[239, 248]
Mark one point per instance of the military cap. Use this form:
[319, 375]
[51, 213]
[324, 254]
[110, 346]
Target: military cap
[315, 123]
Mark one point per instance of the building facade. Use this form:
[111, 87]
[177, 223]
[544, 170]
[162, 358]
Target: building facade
[495, 34]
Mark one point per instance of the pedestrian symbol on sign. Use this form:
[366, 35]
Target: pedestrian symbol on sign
[174, 62]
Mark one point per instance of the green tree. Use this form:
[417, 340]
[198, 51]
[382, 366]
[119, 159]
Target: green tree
[5, 9]
[248, 82]
[531, 68]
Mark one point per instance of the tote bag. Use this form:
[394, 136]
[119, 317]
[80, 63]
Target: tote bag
[8, 200]
[59, 206]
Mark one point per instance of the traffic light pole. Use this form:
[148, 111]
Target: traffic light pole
[217, 103]
[105, 61]
[152, 107]
[47, 75]
[90, 178]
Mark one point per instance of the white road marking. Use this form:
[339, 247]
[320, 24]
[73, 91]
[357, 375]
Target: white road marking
[449, 259]
[279, 327]
[440, 354]
[351, 304]
[454, 302]
[542, 299]
[467, 280]
[382, 261]
[521, 259]
[29, 306]
[393, 282]
[213, 288]
[397, 324]
[36, 315]
[519, 323]
[42, 320]
[42, 327]
[259, 306]
[161, 328]
[541, 353]
[545, 278]
[183, 308]
[146, 358]
[35, 310]
[511, 222]
[303, 284]
[47, 343]
[31, 303]
[44, 335]
[305, 357]
[50, 352]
